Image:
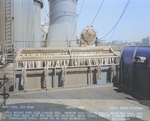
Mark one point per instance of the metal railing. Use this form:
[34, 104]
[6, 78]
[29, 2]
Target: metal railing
[33, 60]
[3, 82]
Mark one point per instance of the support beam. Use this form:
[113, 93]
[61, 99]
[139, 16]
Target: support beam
[54, 79]
[91, 75]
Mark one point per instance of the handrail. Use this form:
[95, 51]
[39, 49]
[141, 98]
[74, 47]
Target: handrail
[3, 103]
[4, 66]
[67, 67]
[5, 80]
[4, 83]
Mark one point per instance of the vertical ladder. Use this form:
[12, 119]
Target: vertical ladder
[8, 33]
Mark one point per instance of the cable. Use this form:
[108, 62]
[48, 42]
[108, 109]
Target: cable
[78, 19]
[28, 24]
[118, 20]
[112, 35]
[114, 31]
[22, 25]
[97, 12]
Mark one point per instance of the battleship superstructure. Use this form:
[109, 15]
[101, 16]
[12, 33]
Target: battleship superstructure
[50, 66]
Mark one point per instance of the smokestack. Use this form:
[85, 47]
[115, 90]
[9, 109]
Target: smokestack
[62, 22]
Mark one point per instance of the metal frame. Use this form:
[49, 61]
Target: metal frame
[70, 57]
[5, 80]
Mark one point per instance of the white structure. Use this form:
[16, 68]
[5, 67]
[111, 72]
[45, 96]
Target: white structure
[44, 33]
[62, 22]
[88, 35]
[25, 23]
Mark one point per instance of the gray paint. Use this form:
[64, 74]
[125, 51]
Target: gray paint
[26, 25]
[75, 77]
[62, 22]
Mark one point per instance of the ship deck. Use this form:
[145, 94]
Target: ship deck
[104, 102]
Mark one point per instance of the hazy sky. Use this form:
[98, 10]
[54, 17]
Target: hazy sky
[134, 25]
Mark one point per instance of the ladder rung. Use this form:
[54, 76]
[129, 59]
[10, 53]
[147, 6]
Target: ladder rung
[8, 5]
[8, 42]
[7, 31]
[8, 39]
[8, 24]
[8, 21]
[8, 35]
[8, 46]
[8, 9]
[7, 2]
[8, 27]
[8, 13]
[9, 18]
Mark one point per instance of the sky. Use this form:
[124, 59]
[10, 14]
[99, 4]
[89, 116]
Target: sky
[133, 26]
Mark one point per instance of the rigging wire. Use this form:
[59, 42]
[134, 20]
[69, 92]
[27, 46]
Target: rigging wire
[28, 23]
[114, 30]
[97, 12]
[78, 19]
[118, 20]
[22, 25]
[112, 35]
